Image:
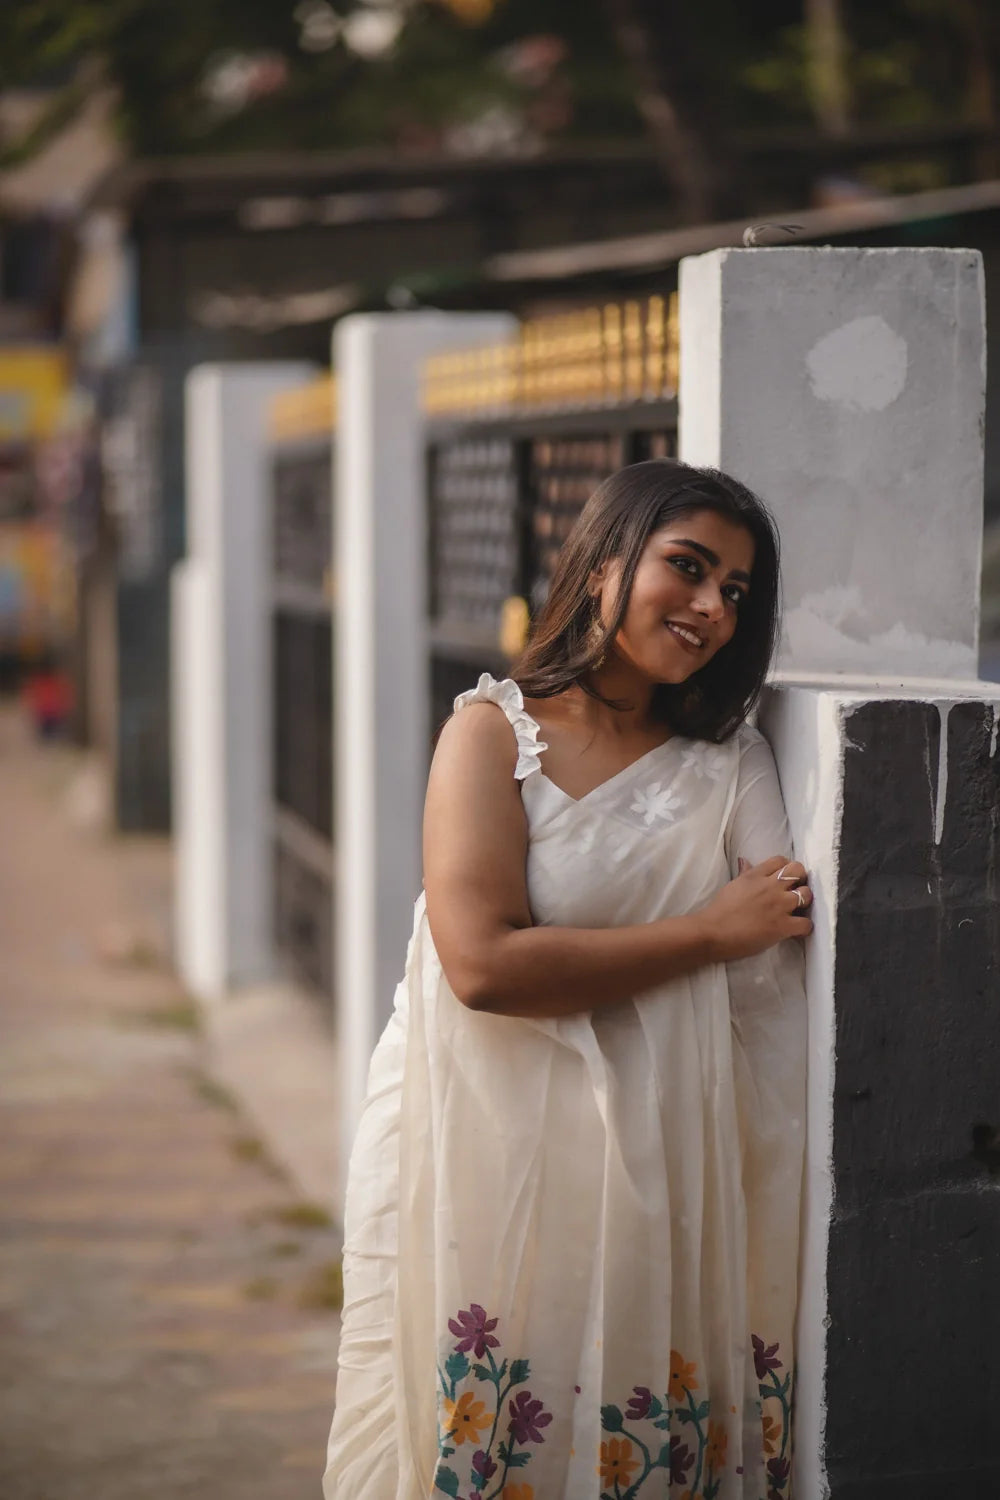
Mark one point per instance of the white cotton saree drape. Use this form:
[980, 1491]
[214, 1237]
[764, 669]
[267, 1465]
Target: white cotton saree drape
[571, 1245]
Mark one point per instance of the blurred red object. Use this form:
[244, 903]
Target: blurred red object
[48, 697]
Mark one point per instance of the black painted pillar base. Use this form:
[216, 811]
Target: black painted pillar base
[913, 1264]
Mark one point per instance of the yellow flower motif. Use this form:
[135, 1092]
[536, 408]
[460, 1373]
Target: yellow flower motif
[772, 1432]
[465, 1418]
[681, 1377]
[715, 1447]
[617, 1462]
[517, 1492]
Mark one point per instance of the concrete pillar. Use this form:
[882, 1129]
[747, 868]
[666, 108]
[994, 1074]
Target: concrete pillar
[221, 680]
[381, 672]
[846, 386]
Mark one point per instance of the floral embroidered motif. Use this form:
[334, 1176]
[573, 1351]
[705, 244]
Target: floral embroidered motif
[464, 1418]
[695, 1456]
[503, 1425]
[710, 764]
[655, 801]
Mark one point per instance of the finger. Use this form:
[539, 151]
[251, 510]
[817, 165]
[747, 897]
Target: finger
[793, 873]
[801, 898]
[741, 865]
[773, 865]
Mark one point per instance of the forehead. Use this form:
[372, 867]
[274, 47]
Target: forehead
[732, 542]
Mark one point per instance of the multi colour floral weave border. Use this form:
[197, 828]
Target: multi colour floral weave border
[485, 1449]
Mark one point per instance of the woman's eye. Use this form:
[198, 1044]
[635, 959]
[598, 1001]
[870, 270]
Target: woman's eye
[687, 565]
[734, 594]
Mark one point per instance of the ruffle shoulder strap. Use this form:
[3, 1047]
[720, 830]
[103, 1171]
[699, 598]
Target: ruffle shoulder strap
[507, 696]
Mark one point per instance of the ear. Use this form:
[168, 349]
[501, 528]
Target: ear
[597, 580]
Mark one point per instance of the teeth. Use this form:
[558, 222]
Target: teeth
[687, 635]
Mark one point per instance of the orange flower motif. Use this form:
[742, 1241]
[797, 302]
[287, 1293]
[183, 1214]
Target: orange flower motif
[772, 1432]
[465, 1418]
[715, 1447]
[517, 1492]
[681, 1377]
[617, 1462]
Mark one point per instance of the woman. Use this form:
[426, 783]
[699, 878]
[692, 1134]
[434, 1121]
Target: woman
[572, 1215]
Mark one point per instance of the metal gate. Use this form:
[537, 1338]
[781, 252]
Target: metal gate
[302, 682]
[519, 436]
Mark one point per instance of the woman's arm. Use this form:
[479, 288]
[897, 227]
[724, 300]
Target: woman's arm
[475, 849]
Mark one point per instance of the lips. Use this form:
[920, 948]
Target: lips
[692, 639]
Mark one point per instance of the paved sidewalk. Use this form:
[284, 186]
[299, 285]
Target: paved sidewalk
[165, 1295]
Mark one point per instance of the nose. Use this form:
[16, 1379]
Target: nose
[709, 601]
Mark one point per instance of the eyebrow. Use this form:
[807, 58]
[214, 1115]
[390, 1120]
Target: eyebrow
[712, 558]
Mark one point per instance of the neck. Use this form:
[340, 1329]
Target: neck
[618, 680]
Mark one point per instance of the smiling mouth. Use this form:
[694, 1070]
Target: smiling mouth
[686, 635]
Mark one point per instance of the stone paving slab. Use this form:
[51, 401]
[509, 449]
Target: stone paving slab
[166, 1327]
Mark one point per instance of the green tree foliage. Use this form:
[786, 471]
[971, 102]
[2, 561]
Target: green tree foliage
[506, 74]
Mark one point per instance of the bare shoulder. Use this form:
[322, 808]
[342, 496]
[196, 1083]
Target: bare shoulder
[479, 738]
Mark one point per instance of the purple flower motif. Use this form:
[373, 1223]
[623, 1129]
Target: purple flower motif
[681, 1459]
[483, 1464]
[764, 1359]
[474, 1331]
[639, 1403]
[778, 1470]
[526, 1417]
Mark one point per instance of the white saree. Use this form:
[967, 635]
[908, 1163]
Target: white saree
[571, 1245]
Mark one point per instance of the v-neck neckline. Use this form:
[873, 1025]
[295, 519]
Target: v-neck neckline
[610, 780]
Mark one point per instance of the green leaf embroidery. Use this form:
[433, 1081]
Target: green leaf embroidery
[446, 1480]
[519, 1371]
[456, 1366]
[518, 1460]
[611, 1418]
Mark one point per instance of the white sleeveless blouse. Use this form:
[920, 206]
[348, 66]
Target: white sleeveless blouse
[571, 1245]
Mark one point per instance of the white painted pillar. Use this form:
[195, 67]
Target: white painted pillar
[846, 387]
[381, 670]
[221, 680]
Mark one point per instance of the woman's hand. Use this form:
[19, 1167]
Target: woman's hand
[765, 904]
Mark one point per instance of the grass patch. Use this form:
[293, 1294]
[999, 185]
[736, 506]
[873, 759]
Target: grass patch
[213, 1093]
[182, 1015]
[302, 1215]
[324, 1288]
[261, 1289]
[282, 1249]
[250, 1148]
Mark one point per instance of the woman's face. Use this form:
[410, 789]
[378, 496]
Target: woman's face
[686, 597]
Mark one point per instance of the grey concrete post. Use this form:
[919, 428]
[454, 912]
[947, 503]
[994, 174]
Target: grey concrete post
[221, 681]
[846, 386]
[381, 670]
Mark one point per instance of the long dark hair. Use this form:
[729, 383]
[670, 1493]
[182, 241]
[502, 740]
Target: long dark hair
[616, 522]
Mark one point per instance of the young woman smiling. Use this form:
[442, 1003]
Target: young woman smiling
[572, 1219]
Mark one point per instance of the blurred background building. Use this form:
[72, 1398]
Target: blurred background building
[201, 183]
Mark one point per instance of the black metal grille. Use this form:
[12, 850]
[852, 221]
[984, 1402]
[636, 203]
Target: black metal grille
[474, 529]
[502, 497]
[303, 709]
[301, 515]
[303, 918]
[302, 651]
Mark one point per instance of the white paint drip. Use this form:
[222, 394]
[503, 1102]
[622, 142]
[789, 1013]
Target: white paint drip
[944, 712]
[995, 711]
